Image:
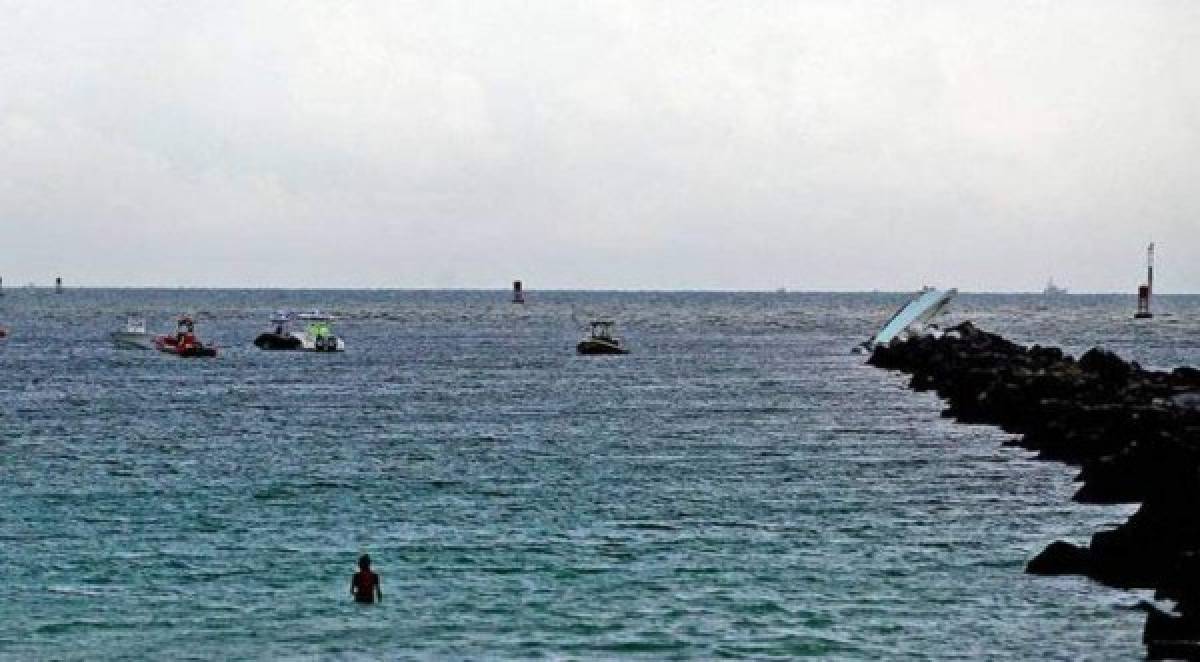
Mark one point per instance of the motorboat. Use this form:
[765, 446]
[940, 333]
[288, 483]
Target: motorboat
[134, 335]
[183, 342]
[316, 336]
[601, 340]
[3, 332]
[280, 336]
[914, 317]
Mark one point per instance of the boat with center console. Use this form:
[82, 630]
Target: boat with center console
[316, 336]
[183, 342]
[601, 340]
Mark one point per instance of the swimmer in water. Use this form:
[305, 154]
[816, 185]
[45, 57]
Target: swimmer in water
[365, 584]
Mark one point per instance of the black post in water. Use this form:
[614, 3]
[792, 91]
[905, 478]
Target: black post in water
[1146, 291]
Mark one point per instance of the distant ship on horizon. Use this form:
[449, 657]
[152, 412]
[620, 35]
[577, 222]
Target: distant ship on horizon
[1053, 290]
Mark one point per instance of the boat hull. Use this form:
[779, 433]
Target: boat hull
[299, 342]
[594, 347]
[168, 345]
[277, 342]
[132, 340]
[327, 344]
[916, 314]
[196, 351]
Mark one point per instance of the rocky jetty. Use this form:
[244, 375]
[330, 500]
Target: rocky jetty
[1133, 433]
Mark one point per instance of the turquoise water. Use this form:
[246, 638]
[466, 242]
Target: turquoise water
[739, 486]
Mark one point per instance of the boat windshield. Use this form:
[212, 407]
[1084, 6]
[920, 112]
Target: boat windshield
[280, 322]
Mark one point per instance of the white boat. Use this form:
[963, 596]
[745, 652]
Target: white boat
[914, 317]
[133, 336]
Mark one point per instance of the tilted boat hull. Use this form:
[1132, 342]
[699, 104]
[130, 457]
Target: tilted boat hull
[914, 315]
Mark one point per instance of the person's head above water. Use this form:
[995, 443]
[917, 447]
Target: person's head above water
[364, 562]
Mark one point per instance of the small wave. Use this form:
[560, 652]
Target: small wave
[75, 590]
[650, 526]
[275, 492]
[60, 627]
[641, 646]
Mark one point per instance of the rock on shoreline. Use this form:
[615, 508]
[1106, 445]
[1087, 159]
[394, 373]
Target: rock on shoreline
[1134, 434]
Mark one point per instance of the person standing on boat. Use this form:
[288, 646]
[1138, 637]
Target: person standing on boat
[364, 586]
[185, 333]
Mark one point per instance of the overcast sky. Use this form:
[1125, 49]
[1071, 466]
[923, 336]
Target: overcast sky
[629, 144]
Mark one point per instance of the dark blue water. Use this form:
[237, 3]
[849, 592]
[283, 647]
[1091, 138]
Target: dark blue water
[739, 486]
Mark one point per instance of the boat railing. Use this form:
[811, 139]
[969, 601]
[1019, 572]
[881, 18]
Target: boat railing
[602, 330]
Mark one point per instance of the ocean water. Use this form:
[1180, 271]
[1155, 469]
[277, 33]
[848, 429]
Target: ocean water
[738, 486]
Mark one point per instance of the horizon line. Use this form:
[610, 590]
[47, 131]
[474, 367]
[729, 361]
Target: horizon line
[700, 290]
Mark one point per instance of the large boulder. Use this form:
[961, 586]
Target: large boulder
[1107, 365]
[1185, 378]
[1061, 558]
[1171, 636]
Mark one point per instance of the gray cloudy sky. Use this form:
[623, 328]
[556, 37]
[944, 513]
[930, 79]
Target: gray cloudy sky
[598, 144]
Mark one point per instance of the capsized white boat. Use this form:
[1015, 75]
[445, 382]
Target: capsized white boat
[914, 317]
[133, 336]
